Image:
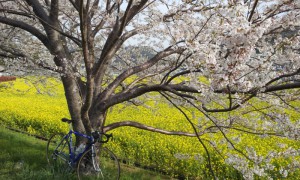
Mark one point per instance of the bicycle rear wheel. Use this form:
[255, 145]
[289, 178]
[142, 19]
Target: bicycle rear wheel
[58, 152]
[103, 166]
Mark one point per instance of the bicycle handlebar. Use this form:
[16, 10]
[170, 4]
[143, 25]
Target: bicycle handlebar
[98, 134]
[107, 137]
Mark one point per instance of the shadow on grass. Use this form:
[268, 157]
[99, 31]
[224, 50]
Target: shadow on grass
[24, 157]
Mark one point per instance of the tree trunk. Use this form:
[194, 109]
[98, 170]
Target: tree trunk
[97, 119]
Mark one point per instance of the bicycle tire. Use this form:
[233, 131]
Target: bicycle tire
[58, 152]
[109, 166]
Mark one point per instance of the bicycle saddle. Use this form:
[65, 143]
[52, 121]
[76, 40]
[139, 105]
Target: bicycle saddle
[69, 121]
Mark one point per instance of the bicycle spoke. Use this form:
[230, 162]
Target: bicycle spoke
[58, 153]
[104, 166]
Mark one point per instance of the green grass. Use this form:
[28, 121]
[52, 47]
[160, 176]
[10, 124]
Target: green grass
[24, 157]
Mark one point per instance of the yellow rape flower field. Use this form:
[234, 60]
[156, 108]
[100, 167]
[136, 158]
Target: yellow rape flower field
[36, 107]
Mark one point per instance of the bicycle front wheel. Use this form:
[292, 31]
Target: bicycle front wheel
[58, 152]
[104, 165]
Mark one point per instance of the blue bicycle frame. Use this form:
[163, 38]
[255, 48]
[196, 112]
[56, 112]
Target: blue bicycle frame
[73, 157]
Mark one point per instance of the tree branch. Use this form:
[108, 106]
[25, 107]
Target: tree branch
[219, 128]
[75, 4]
[142, 89]
[16, 13]
[182, 73]
[11, 52]
[145, 127]
[231, 107]
[252, 10]
[38, 10]
[113, 42]
[284, 76]
[32, 30]
[282, 87]
[188, 10]
[110, 89]
[197, 133]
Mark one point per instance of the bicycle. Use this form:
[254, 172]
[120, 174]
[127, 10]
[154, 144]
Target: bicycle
[64, 155]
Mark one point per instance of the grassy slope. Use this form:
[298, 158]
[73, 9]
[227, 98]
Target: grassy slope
[23, 157]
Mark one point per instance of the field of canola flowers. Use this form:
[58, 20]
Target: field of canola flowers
[37, 106]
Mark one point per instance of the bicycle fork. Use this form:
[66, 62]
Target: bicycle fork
[95, 163]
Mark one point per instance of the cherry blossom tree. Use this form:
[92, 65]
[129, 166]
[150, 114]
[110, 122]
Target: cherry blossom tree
[244, 51]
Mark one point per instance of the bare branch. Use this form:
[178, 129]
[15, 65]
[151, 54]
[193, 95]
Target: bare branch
[75, 4]
[196, 131]
[219, 128]
[252, 10]
[248, 131]
[192, 9]
[16, 12]
[140, 90]
[230, 108]
[183, 73]
[114, 41]
[89, 62]
[145, 127]
[20, 24]
[283, 76]
[39, 10]
[11, 52]
[282, 87]
[137, 69]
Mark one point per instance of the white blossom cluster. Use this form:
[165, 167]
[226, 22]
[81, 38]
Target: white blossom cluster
[258, 165]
